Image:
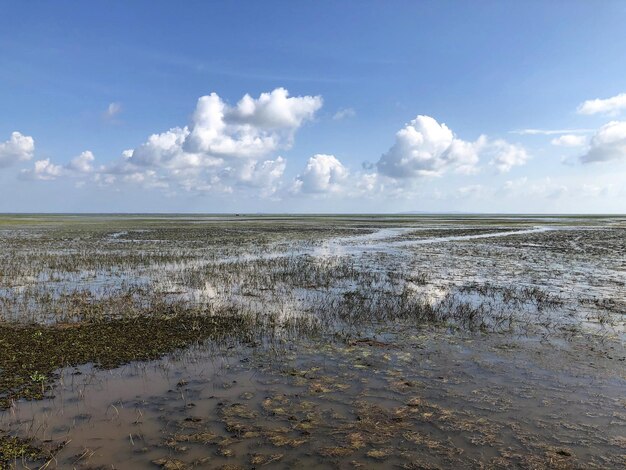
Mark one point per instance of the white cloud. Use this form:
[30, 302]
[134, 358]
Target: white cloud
[147, 179]
[610, 106]
[569, 140]
[18, 148]
[82, 163]
[251, 129]
[425, 147]
[608, 143]
[367, 184]
[113, 110]
[211, 136]
[43, 170]
[420, 150]
[550, 131]
[224, 146]
[344, 113]
[323, 174]
[464, 156]
[505, 155]
[163, 150]
[274, 110]
[104, 180]
[266, 174]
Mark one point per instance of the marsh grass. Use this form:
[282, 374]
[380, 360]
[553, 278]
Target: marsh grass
[110, 291]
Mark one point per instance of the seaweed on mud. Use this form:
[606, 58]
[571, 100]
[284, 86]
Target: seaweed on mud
[30, 354]
[14, 449]
[170, 464]
[414, 427]
[264, 459]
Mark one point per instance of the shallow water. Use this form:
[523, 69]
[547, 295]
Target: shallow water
[423, 398]
[547, 393]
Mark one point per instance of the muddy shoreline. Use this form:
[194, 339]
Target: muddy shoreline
[412, 342]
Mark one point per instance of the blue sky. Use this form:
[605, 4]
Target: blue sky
[351, 106]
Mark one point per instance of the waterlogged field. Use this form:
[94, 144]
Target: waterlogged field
[415, 342]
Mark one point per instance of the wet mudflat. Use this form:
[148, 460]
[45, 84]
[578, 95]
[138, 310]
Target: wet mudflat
[323, 342]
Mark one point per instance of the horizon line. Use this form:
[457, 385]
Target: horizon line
[404, 213]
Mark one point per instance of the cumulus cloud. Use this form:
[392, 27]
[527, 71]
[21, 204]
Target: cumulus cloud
[225, 148]
[274, 110]
[322, 174]
[224, 145]
[463, 156]
[424, 147]
[344, 113]
[83, 163]
[368, 184]
[218, 132]
[421, 149]
[505, 155]
[610, 106]
[326, 174]
[569, 140]
[608, 143]
[251, 129]
[45, 170]
[18, 148]
[164, 150]
[266, 174]
[222, 148]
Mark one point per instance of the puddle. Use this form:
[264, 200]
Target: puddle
[422, 399]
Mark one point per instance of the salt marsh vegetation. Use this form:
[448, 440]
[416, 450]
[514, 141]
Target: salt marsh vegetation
[328, 342]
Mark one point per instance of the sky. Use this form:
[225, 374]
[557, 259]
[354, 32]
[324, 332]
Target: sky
[313, 107]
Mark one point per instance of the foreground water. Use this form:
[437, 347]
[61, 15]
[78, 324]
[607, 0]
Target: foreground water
[419, 400]
[543, 388]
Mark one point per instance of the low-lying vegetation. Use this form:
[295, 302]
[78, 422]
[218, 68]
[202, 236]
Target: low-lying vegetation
[109, 291]
[31, 354]
[14, 450]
